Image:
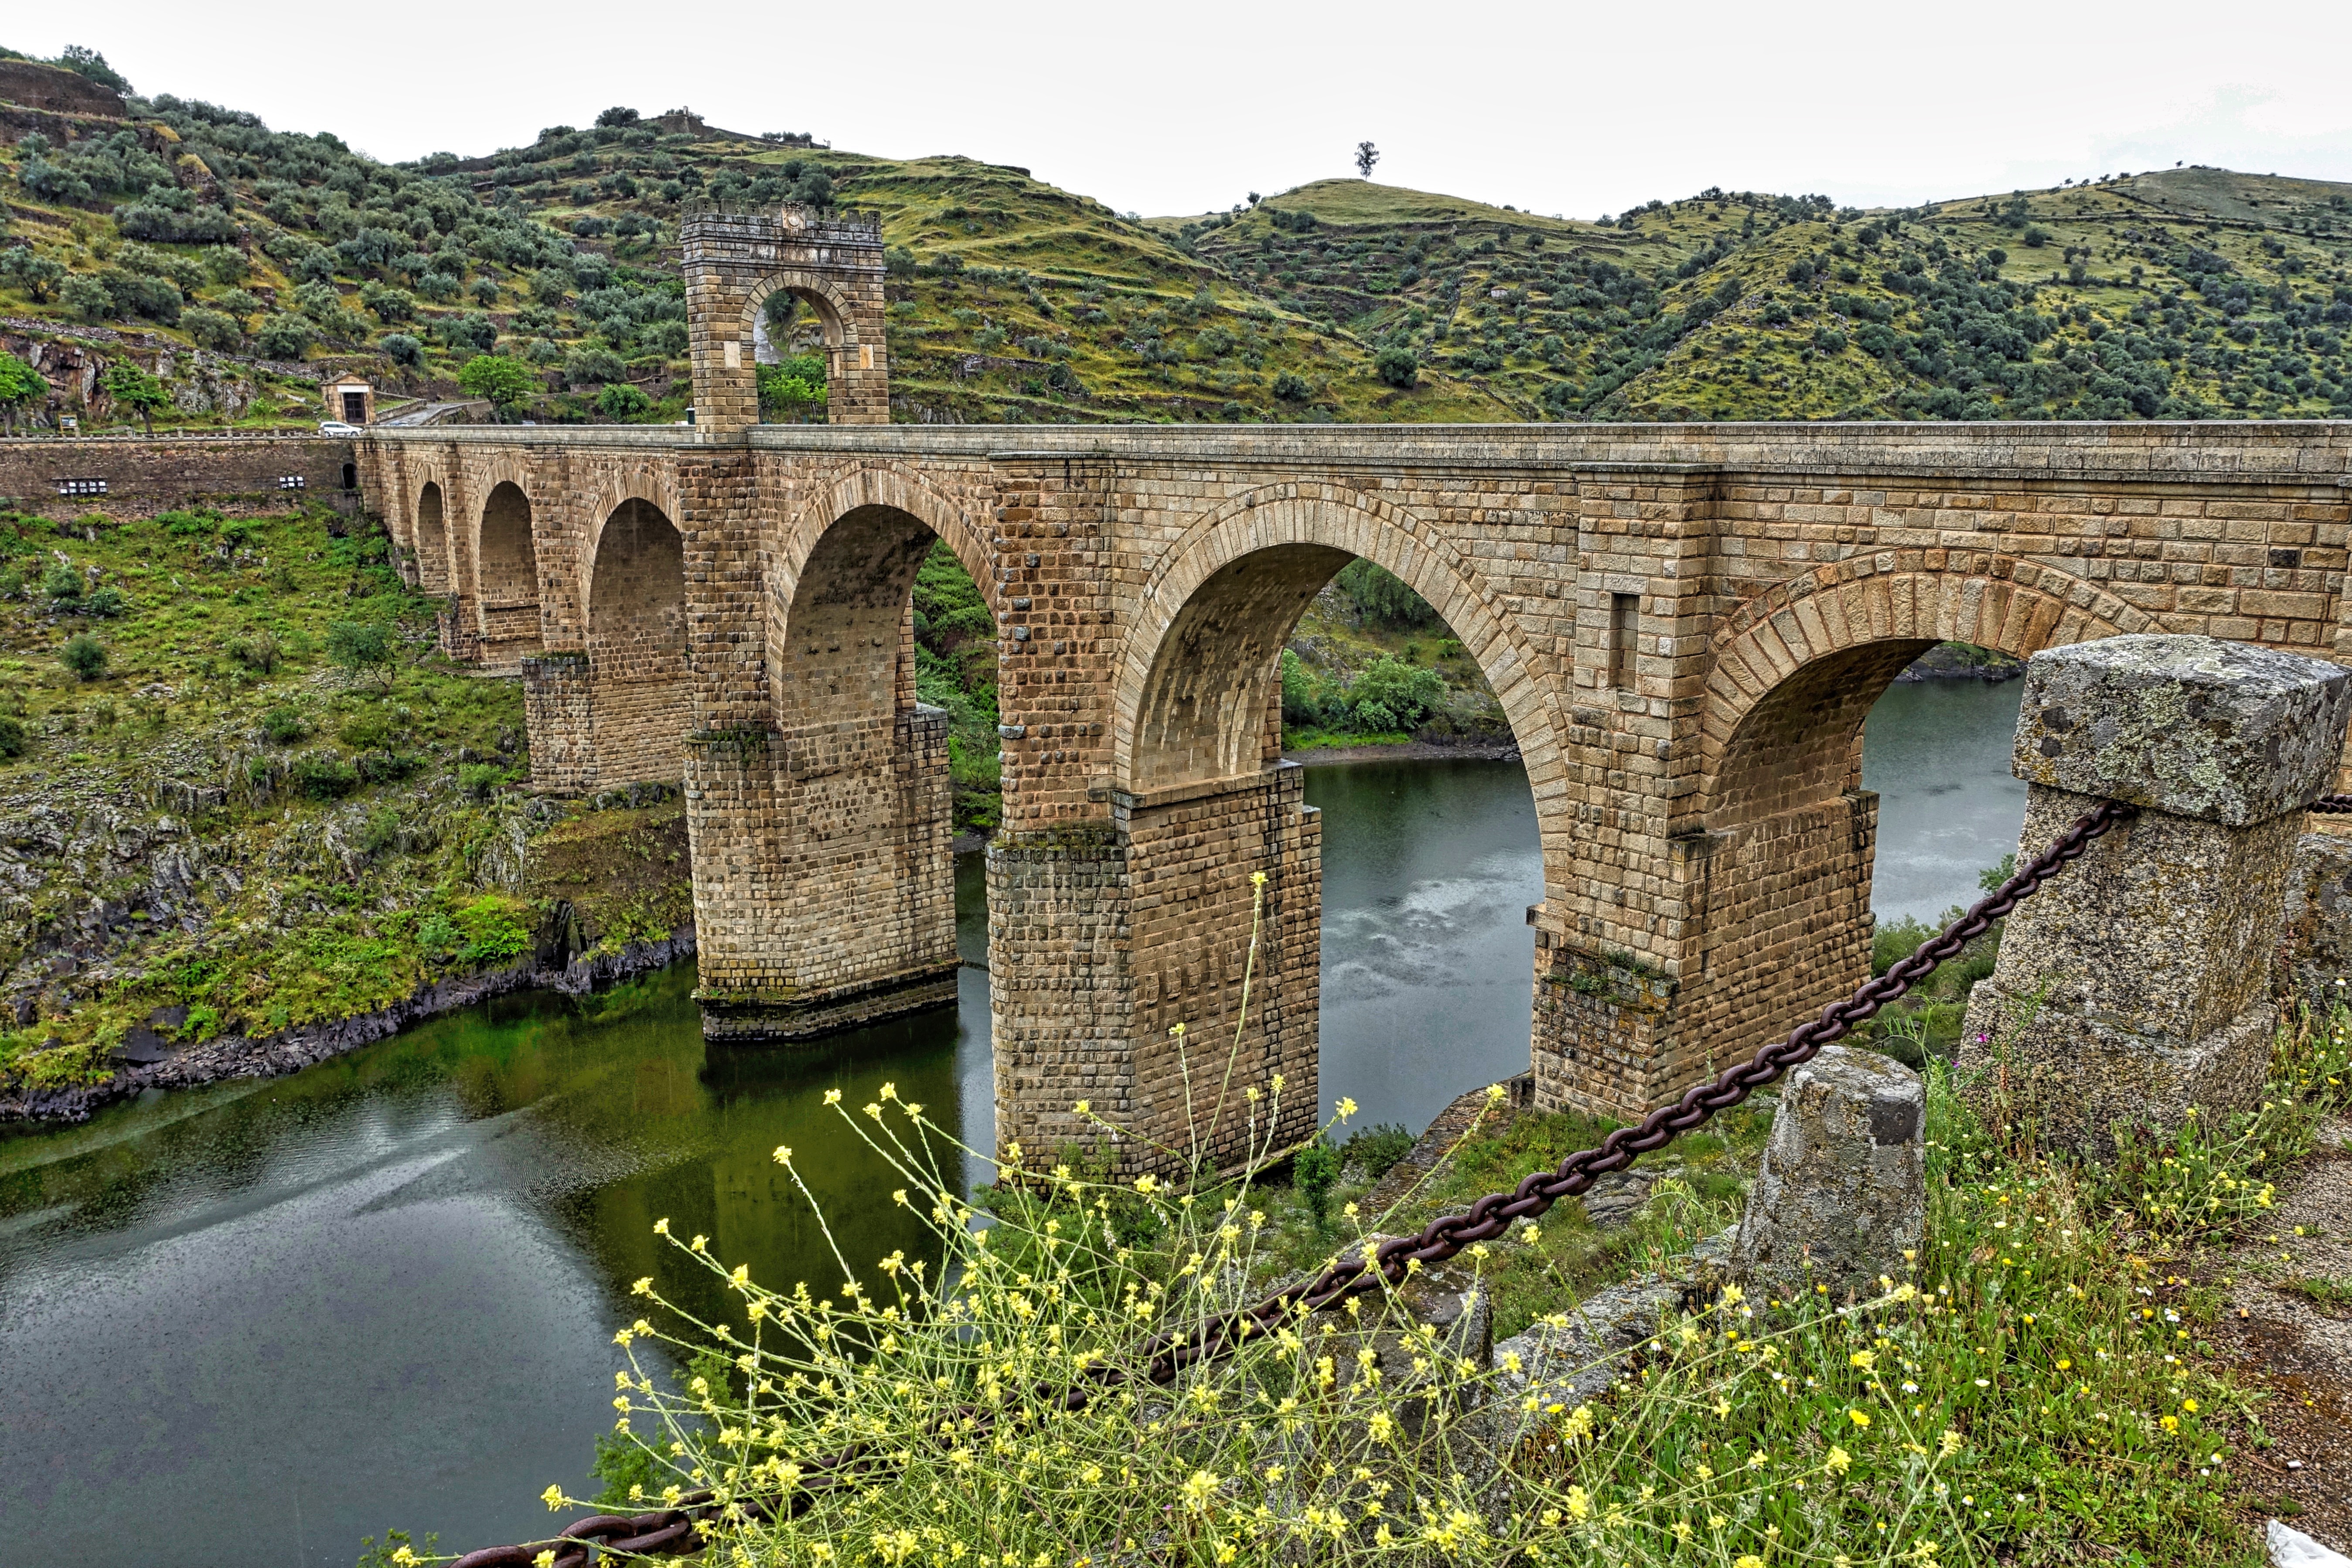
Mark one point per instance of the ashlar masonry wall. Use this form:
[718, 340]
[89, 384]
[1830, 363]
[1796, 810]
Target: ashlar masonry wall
[1685, 624]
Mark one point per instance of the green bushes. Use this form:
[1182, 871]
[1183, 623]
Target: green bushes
[319, 776]
[283, 726]
[85, 655]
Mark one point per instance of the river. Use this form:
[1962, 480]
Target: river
[251, 1324]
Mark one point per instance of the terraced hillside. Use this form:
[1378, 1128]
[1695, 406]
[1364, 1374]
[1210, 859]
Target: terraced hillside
[237, 264]
[2186, 293]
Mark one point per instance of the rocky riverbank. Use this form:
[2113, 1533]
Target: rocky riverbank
[149, 1061]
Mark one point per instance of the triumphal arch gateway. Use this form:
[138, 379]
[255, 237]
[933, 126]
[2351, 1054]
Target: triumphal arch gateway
[1685, 625]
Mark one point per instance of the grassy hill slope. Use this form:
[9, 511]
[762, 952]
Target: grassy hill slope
[2184, 293]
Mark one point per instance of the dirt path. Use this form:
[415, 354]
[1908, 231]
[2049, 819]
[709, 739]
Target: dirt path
[2298, 1349]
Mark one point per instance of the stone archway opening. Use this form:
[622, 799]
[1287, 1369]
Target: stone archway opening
[1397, 885]
[795, 334]
[506, 568]
[1787, 832]
[637, 647]
[852, 786]
[432, 541]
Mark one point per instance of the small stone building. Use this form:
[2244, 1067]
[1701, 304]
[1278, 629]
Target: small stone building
[349, 399]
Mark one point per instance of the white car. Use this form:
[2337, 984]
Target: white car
[337, 427]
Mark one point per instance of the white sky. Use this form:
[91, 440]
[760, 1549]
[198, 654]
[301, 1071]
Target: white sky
[1572, 108]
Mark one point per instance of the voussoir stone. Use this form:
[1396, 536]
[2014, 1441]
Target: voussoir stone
[1842, 1194]
[2193, 726]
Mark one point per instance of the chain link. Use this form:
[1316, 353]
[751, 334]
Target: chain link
[673, 1530]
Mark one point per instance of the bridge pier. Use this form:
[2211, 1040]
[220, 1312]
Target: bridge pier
[823, 875]
[1104, 936]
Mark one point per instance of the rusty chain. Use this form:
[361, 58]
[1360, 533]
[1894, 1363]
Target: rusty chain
[673, 1530]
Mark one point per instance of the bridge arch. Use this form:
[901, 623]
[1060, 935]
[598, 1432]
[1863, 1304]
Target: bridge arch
[843, 580]
[636, 644]
[506, 571]
[432, 538]
[1200, 669]
[1797, 670]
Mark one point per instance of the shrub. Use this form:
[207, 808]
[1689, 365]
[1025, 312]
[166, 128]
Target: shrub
[212, 329]
[85, 655]
[1292, 387]
[480, 780]
[1397, 365]
[622, 401]
[12, 736]
[1394, 695]
[63, 583]
[490, 931]
[402, 348]
[104, 603]
[1314, 1171]
[361, 648]
[322, 777]
[259, 652]
[283, 725]
[283, 336]
[1376, 1150]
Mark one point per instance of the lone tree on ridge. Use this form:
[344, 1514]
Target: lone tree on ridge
[1365, 156]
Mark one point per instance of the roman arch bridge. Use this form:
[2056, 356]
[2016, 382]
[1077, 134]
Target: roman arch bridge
[1685, 624]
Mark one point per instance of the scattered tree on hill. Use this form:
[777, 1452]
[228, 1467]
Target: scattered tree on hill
[361, 647]
[20, 384]
[89, 63]
[1397, 365]
[38, 276]
[618, 118]
[620, 401]
[85, 655]
[135, 389]
[1365, 156]
[505, 382]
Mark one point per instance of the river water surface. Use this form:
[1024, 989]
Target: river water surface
[251, 1324]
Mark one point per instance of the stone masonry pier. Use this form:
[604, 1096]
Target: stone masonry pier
[1687, 626]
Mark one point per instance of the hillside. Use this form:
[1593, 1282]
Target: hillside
[2187, 293]
[170, 226]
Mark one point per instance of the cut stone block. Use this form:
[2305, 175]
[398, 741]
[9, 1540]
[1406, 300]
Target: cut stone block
[2192, 726]
[1842, 1194]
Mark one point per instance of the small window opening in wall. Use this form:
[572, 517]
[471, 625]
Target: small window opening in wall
[1624, 615]
[289, 481]
[350, 476]
[81, 487]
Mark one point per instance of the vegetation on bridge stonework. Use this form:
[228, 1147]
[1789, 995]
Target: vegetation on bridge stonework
[2042, 1386]
[258, 800]
[2176, 293]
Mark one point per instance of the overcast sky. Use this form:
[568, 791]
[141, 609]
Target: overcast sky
[1569, 107]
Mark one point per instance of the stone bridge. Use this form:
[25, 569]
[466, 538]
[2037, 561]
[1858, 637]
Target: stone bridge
[1687, 626]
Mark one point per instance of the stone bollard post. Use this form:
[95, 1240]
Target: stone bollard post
[2137, 983]
[1842, 1194]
